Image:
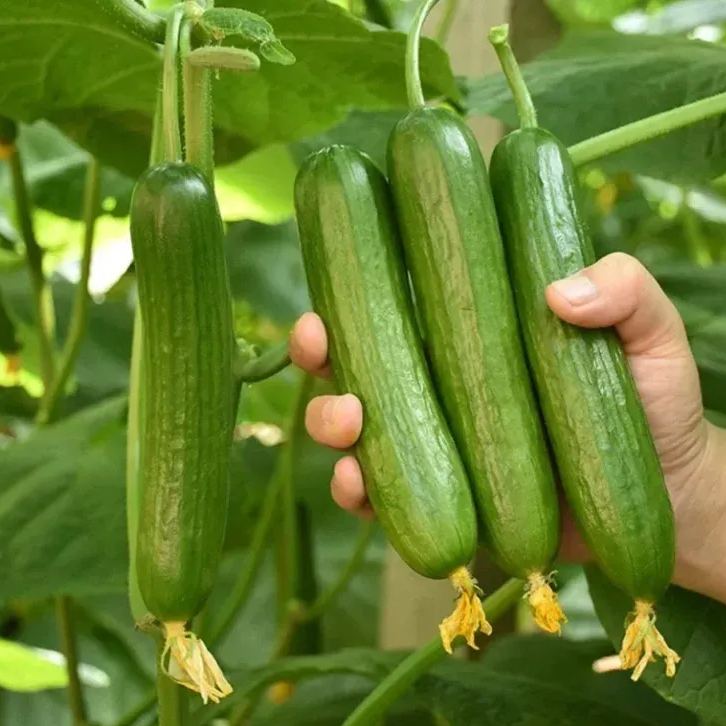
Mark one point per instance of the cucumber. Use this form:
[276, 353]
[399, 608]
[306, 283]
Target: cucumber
[186, 311]
[604, 451]
[413, 474]
[454, 253]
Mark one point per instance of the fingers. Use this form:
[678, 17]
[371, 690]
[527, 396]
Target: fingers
[347, 487]
[309, 345]
[335, 421]
[618, 291]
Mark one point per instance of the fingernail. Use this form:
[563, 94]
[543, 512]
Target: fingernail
[577, 290]
[333, 408]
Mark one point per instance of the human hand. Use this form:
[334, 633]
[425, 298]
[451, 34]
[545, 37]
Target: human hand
[616, 291]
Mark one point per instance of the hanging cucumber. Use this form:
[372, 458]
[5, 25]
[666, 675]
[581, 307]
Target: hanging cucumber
[599, 432]
[413, 474]
[454, 253]
[185, 305]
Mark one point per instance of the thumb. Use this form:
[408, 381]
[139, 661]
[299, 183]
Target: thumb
[618, 291]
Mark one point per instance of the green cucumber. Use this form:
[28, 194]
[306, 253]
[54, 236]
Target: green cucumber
[454, 252]
[608, 464]
[600, 435]
[186, 313]
[413, 474]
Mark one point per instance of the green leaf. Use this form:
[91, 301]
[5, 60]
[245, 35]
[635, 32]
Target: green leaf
[694, 626]
[597, 81]
[700, 295]
[72, 65]
[265, 270]
[258, 187]
[55, 171]
[221, 23]
[25, 669]
[62, 512]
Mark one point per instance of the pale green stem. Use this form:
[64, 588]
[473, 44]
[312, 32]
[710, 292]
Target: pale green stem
[64, 615]
[414, 89]
[498, 37]
[42, 294]
[133, 17]
[442, 32]
[79, 312]
[409, 670]
[198, 125]
[170, 84]
[645, 129]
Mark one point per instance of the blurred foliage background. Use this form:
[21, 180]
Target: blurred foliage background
[86, 85]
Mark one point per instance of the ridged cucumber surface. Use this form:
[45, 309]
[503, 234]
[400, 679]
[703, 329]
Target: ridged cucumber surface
[185, 303]
[413, 474]
[456, 259]
[603, 446]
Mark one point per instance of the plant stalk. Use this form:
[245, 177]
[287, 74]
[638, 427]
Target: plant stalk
[404, 675]
[170, 85]
[42, 294]
[64, 615]
[647, 128]
[442, 31]
[198, 122]
[261, 535]
[272, 361]
[136, 19]
[171, 699]
[79, 313]
[526, 111]
[414, 89]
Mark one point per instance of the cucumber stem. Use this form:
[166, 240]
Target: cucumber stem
[137, 19]
[647, 128]
[64, 616]
[171, 699]
[272, 361]
[198, 120]
[170, 84]
[414, 89]
[498, 37]
[411, 668]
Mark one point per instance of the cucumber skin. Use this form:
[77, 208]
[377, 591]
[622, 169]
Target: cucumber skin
[185, 304]
[456, 259]
[603, 447]
[414, 477]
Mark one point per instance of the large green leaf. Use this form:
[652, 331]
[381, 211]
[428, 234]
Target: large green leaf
[694, 626]
[62, 507]
[523, 680]
[72, 64]
[700, 295]
[55, 171]
[596, 81]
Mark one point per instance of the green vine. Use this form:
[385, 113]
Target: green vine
[79, 313]
[647, 128]
[401, 678]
